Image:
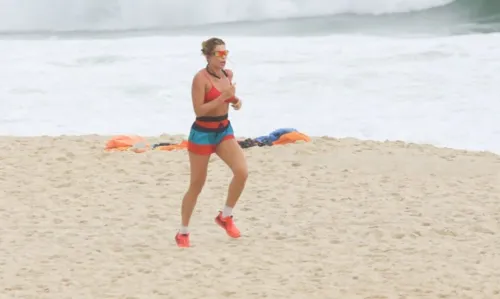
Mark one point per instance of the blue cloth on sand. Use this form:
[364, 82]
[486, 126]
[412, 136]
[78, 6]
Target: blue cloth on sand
[274, 135]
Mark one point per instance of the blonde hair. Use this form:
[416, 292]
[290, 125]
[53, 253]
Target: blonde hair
[208, 46]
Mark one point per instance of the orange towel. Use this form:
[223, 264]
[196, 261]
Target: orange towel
[125, 142]
[291, 137]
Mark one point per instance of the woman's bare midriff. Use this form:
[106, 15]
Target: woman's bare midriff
[222, 110]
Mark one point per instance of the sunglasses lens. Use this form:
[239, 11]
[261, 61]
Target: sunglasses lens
[221, 53]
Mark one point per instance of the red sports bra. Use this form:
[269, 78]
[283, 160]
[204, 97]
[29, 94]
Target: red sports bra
[214, 93]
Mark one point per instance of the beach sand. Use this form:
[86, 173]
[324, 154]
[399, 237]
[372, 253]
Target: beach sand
[333, 218]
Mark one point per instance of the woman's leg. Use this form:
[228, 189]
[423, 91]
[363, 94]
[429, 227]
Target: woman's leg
[231, 153]
[200, 146]
[199, 166]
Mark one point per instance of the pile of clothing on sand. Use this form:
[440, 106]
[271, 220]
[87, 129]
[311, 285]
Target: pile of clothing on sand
[139, 144]
[276, 137]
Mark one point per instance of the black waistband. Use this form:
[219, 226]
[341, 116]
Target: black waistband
[221, 128]
[212, 118]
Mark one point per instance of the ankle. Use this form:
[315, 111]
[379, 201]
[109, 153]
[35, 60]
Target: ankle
[184, 230]
[227, 211]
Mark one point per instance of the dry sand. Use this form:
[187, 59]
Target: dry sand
[327, 219]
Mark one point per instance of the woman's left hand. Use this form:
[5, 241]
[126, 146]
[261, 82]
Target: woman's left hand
[237, 105]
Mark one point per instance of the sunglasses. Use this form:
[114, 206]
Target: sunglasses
[222, 53]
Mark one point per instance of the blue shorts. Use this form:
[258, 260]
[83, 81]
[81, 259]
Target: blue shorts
[207, 132]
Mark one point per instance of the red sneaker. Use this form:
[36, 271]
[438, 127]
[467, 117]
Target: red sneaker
[227, 224]
[182, 240]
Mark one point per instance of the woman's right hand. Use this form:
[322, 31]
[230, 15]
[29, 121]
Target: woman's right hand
[228, 93]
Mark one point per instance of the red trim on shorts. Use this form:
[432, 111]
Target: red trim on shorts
[201, 149]
[206, 149]
[227, 137]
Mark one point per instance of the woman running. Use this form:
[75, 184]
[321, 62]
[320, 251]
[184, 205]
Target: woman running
[212, 91]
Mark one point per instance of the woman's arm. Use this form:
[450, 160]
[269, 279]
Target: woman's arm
[198, 97]
[237, 103]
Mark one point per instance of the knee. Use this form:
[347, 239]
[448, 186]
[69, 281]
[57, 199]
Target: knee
[196, 186]
[240, 173]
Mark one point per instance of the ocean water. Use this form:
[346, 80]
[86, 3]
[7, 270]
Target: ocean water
[424, 71]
